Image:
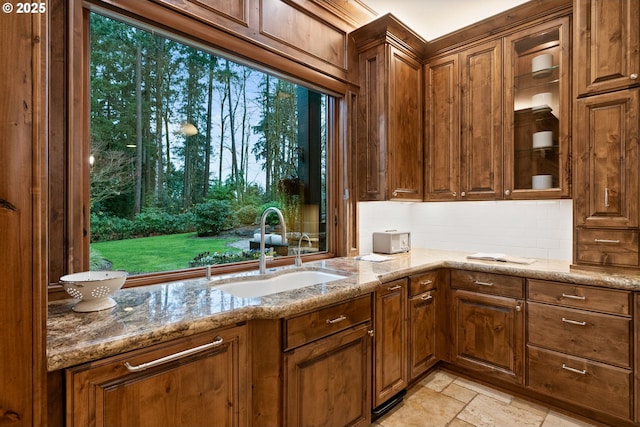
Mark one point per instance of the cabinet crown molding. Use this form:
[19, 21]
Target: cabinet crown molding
[389, 29]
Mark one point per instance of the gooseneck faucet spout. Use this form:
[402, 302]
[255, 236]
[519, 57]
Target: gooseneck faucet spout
[283, 227]
[298, 259]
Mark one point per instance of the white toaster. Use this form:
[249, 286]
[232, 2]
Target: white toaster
[391, 242]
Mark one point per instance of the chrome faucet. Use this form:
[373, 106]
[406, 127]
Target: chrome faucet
[263, 257]
[298, 259]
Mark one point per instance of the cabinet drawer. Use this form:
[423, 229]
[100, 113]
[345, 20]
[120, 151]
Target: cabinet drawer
[320, 323]
[608, 247]
[592, 335]
[588, 297]
[422, 282]
[496, 284]
[582, 382]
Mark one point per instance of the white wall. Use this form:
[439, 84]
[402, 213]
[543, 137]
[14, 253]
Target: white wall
[538, 229]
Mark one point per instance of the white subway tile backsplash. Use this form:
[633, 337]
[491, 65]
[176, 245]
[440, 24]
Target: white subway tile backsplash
[540, 229]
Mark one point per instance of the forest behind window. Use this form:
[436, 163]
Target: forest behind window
[189, 148]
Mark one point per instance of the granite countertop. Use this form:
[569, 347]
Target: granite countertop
[151, 314]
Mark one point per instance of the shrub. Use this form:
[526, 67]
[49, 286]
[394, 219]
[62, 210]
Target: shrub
[211, 217]
[105, 228]
[247, 215]
[206, 258]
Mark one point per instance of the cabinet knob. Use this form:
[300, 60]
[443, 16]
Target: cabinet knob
[518, 307]
[507, 192]
[454, 194]
[633, 76]
[370, 332]
[463, 194]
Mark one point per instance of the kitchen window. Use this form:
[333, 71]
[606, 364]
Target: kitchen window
[187, 146]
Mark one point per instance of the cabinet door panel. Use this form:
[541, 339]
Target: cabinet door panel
[327, 383]
[207, 388]
[607, 160]
[481, 144]
[607, 45]
[390, 343]
[442, 129]
[488, 334]
[405, 150]
[422, 333]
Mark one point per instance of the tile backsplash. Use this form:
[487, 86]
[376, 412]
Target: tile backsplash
[532, 228]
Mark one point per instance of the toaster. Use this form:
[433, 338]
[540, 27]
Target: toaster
[391, 242]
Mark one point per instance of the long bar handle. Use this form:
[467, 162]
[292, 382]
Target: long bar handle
[574, 322]
[394, 288]
[478, 282]
[141, 367]
[426, 282]
[606, 241]
[337, 319]
[580, 297]
[577, 371]
[606, 197]
[426, 297]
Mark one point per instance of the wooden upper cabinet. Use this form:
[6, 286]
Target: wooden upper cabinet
[607, 40]
[464, 124]
[442, 128]
[537, 112]
[607, 176]
[481, 122]
[390, 112]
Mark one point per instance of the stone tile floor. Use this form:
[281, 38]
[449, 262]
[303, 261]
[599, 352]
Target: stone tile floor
[445, 400]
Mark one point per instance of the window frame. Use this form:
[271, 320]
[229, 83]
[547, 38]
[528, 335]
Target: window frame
[76, 256]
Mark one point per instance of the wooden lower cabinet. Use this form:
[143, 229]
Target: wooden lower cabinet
[579, 346]
[423, 323]
[193, 381]
[390, 370]
[583, 382]
[328, 382]
[488, 334]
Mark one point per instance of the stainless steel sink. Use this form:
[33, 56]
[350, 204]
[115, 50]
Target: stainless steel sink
[257, 286]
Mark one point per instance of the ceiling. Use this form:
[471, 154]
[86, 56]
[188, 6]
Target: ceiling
[434, 18]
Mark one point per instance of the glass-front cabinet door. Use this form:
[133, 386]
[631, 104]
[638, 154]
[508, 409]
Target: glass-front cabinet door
[537, 112]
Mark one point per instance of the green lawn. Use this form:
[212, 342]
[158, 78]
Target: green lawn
[159, 253]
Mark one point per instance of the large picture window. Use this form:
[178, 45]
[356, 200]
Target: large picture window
[188, 148]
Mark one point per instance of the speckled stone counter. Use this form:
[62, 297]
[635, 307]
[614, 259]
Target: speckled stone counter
[151, 314]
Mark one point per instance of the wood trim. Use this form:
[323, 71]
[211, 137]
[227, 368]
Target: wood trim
[526, 13]
[23, 218]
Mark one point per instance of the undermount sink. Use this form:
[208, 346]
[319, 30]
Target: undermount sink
[278, 282]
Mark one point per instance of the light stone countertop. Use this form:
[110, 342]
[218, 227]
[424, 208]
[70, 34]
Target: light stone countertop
[152, 314]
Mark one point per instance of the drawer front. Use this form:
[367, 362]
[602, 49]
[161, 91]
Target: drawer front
[608, 247]
[422, 282]
[309, 327]
[588, 297]
[489, 283]
[589, 384]
[583, 333]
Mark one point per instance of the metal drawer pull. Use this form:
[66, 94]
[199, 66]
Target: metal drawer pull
[141, 367]
[577, 371]
[606, 241]
[394, 288]
[477, 282]
[606, 197]
[337, 319]
[426, 282]
[580, 297]
[574, 322]
[426, 297]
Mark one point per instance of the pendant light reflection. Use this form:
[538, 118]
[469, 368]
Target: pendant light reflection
[188, 129]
